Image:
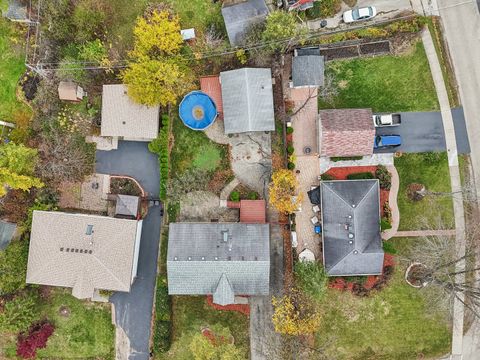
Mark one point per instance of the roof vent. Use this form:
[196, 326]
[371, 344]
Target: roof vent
[189, 258]
[61, 249]
[225, 235]
[355, 252]
[353, 205]
[229, 258]
[203, 257]
[81, 251]
[350, 242]
[67, 249]
[175, 258]
[349, 216]
[76, 250]
[90, 251]
[216, 257]
[89, 230]
[350, 235]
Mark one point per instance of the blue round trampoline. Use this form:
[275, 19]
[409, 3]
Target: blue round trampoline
[197, 110]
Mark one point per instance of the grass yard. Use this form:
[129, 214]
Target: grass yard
[11, 68]
[393, 323]
[430, 170]
[384, 83]
[193, 313]
[86, 333]
[193, 149]
[199, 14]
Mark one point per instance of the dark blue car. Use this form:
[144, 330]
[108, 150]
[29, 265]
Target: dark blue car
[387, 141]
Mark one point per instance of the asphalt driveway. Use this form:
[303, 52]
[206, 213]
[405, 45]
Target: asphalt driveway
[133, 310]
[423, 132]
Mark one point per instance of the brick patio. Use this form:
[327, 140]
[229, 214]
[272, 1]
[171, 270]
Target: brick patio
[304, 123]
[308, 176]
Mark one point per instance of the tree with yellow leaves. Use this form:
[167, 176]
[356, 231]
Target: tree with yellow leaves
[295, 314]
[282, 191]
[156, 74]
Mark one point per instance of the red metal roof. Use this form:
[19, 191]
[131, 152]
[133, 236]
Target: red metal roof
[210, 85]
[252, 211]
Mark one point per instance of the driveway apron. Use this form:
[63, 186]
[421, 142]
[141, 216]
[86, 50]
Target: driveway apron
[133, 310]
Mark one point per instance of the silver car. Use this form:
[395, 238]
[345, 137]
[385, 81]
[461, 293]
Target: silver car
[359, 14]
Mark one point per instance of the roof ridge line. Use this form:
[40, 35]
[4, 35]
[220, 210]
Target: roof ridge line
[109, 271]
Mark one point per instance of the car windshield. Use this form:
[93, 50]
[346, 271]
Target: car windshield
[377, 120]
[370, 11]
[378, 140]
[355, 14]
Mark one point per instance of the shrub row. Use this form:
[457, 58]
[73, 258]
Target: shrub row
[345, 158]
[159, 146]
[384, 177]
[163, 317]
[360, 176]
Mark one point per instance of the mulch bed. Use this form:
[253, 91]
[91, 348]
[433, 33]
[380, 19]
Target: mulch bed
[341, 173]
[241, 308]
[373, 282]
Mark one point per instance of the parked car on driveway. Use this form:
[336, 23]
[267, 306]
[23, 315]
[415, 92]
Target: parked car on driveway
[359, 14]
[384, 120]
[387, 141]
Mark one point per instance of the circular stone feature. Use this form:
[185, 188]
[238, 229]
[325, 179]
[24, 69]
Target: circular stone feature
[197, 110]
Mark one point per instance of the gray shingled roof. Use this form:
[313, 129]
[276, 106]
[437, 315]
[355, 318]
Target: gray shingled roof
[127, 205]
[247, 100]
[84, 252]
[121, 117]
[223, 259]
[239, 18]
[308, 70]
[351, 227]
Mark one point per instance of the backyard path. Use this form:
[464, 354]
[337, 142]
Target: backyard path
[392, 202]
[448, 125]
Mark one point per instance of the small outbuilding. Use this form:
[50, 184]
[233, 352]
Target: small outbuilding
[127, 206]
[123, 118]
[308, 67]
[346, 132]
[247, 96]
[7, 231]
[70, 91]
[240, 17]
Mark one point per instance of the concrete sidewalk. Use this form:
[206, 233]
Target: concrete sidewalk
[458, 307]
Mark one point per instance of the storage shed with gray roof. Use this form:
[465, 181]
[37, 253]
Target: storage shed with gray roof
[241, 17]
[351, 227]
[247, 96]
[308, 68]
[219, 259]
[84, 252]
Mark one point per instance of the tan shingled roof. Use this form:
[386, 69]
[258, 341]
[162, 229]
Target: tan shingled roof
[103, 260]
[123, 118]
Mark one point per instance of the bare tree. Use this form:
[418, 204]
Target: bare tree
[329, 90]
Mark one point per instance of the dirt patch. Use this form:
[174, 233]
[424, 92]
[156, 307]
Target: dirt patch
[124, 186]
[204, 206]
[64, 311]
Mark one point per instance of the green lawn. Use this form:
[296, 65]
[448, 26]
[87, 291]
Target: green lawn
[393, 323]
[11, 68]
[385, 83]
[86, 333]
[193, 313]
[431, 170]
[199, 14]
[194, 149]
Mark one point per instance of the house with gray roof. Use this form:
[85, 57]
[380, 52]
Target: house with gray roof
[240, 17]
[219, 259]
[84, 252]
[123, 118]
[308, 67]
[352, 244]
[247, 96]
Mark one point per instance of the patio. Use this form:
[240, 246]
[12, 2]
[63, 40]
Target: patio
[304, 123]
[307, 177]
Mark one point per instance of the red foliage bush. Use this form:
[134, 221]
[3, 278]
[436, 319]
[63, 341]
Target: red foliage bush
[27, 344]
[241, 308]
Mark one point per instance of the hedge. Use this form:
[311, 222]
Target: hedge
[346, 158]
[360, 176]
[163, 317]
[159, 146]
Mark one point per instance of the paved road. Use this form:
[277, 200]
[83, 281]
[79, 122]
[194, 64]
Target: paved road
[461, 22]
[423, 132]
[133, 310]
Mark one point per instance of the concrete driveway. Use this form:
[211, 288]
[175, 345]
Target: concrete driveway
[133, 310]
[423, 132]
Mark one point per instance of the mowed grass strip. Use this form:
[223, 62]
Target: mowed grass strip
[384, 83]
[433, 211]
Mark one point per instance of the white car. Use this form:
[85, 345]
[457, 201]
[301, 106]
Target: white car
[359, 14]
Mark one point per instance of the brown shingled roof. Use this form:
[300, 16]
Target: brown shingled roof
[252, 211]
[346, 132]
[210, 85]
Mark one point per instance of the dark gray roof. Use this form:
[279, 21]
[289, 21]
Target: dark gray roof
[351, 227]
[16, 11]
[7, 230]
[308, 68]
[127, 205]
[247, 96]
[223, 259]
[239, 18]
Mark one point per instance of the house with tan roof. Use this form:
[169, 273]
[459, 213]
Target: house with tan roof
[125, 119]
[84, 252]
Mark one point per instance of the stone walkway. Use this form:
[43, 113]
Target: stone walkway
[371, 160]
[458, 307]
[228, 189]
[392, 202]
